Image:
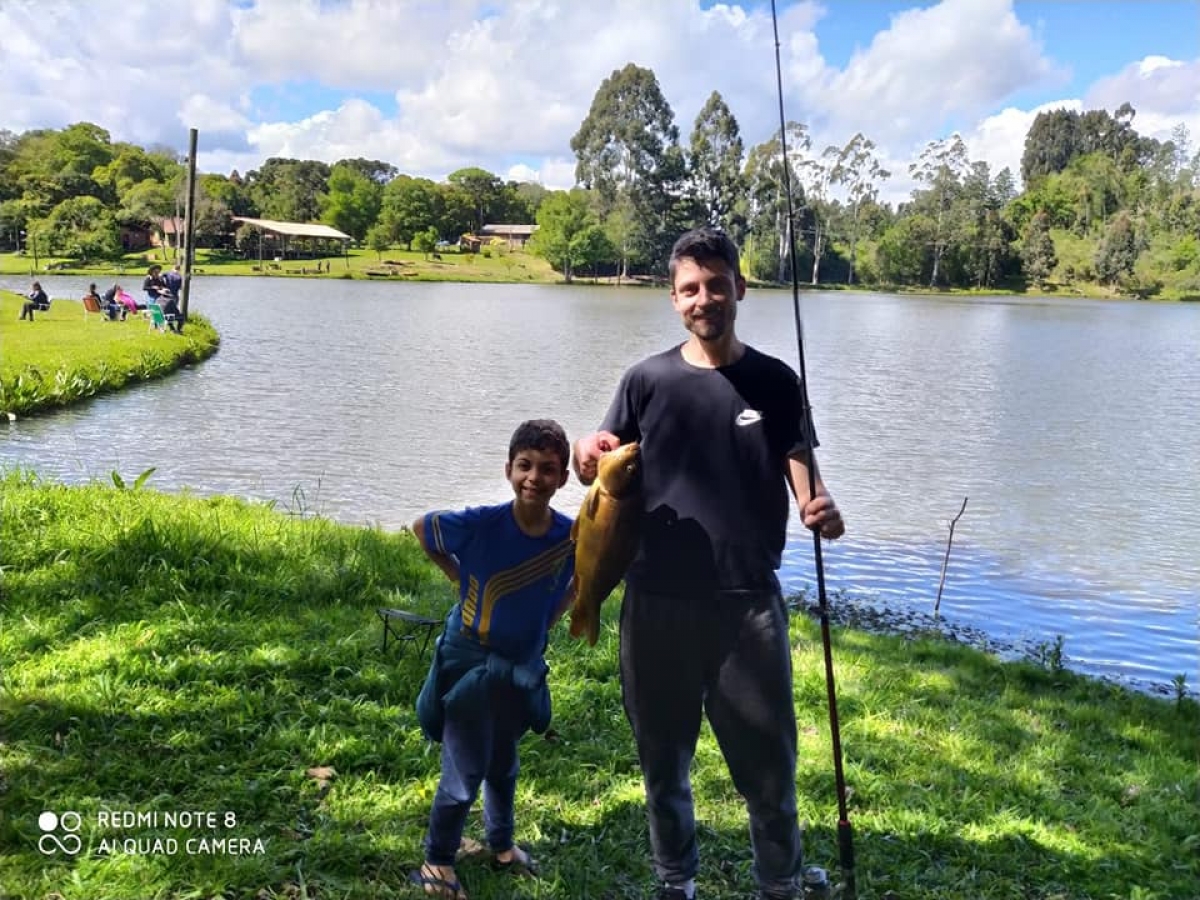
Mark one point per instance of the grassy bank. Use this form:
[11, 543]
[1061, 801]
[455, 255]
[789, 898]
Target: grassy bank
[60, 358]
[169, 653]
[499, 266]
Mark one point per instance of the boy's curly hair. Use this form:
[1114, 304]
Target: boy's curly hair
[545, 435]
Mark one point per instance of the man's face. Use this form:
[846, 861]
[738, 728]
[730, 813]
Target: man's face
[706, 296]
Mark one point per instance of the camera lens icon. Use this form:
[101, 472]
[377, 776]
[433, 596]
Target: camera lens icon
[51, 824]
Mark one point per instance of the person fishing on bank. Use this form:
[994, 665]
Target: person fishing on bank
[704, 630]
[513, 564]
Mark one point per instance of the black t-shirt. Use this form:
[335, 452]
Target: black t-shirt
[715, 444]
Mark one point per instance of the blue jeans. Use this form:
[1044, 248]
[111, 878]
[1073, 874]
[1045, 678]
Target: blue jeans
[475, 751]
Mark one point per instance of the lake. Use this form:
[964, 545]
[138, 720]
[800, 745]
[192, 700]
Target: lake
[1071, 426]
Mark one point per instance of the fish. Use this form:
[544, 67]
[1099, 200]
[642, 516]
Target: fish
[606, 533]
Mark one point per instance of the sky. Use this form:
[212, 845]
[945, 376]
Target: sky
[432, 86]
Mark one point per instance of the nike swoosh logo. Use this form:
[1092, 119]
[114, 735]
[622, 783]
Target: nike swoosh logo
[748, 417]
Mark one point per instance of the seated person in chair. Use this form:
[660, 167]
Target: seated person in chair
[112, 306]
[38, 300]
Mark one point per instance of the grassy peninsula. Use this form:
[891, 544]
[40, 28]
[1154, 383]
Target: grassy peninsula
[61, 357]
[166, 653]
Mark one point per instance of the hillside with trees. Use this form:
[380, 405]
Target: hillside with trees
[1102, 209]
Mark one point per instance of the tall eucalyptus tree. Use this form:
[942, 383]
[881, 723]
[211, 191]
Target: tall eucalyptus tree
[627, 151]
[715, 164]
[858, 170]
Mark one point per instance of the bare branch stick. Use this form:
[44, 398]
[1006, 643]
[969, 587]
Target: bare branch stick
[946, 561]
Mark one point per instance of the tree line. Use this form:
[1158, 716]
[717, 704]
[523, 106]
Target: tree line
[1101, 204]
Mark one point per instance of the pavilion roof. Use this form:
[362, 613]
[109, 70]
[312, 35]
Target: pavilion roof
[295, 229]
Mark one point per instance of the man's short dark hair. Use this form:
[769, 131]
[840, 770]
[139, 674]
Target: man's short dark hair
[545, 435]
[703, 245]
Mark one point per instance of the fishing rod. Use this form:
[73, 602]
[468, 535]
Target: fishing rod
[844, 831]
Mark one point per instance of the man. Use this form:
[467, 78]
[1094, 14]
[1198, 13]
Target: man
[153, 285]
[173, 281]
[703, 626]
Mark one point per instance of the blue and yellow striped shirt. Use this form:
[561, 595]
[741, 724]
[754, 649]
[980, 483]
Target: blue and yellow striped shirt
[510, 584]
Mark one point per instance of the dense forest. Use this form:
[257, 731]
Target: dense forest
[1102, 207]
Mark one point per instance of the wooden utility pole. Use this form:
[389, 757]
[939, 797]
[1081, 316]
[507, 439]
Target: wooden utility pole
[189, 242]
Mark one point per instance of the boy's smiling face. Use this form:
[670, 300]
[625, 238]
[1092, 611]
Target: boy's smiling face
[535, 476]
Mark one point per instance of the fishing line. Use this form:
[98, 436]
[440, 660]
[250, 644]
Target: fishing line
[844, 831]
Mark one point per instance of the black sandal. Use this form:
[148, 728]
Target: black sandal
[434, 885]
[521, 864]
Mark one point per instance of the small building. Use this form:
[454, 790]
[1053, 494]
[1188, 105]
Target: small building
[167, 233]
[136, 237]
[516, 236]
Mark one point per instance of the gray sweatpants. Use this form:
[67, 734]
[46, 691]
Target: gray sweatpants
[729, 657]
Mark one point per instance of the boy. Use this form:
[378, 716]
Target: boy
[513, 563]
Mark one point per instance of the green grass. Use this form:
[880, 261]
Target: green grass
[59, 358]
[508, 266]
[163, 653]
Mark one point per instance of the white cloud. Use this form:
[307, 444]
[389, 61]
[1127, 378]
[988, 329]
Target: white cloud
[203, 113]
[935, 69]
[505, 85]
[1164, 92]
[356, 45]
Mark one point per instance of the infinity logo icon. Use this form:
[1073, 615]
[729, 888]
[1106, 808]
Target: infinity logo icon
[50, 842]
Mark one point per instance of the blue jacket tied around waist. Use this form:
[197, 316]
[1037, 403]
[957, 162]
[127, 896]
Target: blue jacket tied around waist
[460, 680]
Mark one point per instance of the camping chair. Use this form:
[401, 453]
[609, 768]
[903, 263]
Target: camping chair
[158, 318]
[92, 305]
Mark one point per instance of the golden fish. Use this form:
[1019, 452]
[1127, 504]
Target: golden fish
[606, 535]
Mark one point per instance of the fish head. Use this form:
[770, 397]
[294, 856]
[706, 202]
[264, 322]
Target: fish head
[620, 471]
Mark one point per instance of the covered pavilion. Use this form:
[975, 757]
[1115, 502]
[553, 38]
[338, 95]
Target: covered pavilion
[283, 234]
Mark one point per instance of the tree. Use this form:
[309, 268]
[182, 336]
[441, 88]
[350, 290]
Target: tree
[767, 213]
[8, 152]
[563, 216]
[1118, 250]
[52, 166]
[353, 201]
[81, 227]
[528, 196]
[942, 165]
[591, 248]
[858, 170]
[410, 205]
[1052, 141]
[378, 239]
[424, 242]
[816, 174]
[288, 190]
[1037, 252]
[375, 170]
[484, 191]
[715, 164]
[627, 150]
[146, 203]
[905, 250]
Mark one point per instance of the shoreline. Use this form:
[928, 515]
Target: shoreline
[861, 614]
[515, 267]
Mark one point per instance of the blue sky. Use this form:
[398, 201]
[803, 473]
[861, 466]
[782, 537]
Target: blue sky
[435, 85]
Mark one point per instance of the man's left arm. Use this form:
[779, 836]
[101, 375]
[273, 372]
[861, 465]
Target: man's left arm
[819, 510]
